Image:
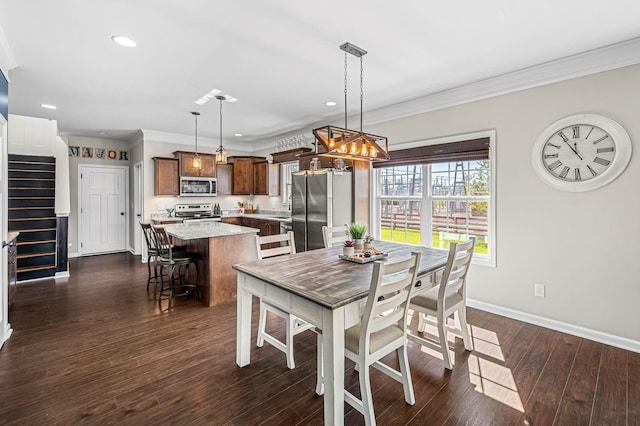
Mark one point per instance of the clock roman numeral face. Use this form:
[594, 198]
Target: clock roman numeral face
[578, 152]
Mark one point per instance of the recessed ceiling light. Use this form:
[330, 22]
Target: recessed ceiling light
[238, 134]
[330, 103]
[48, 106]
[124, 41]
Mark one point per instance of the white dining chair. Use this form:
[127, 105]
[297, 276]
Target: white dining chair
[334, 235]
[383, 329]
[278, 245]
[447, 298]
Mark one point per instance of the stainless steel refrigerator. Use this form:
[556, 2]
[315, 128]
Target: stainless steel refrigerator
[319, 198]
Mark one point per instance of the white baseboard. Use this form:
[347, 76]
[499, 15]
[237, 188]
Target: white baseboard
[63, 274]
[72, 255]
[598, 336]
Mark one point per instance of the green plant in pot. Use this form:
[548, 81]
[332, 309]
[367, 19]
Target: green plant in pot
[357, 232]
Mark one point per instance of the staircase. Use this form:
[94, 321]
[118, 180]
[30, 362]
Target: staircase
[31, 202]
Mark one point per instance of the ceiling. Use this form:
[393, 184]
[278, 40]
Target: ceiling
[280, 59]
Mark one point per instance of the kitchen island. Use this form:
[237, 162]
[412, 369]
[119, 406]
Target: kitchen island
[219, 246]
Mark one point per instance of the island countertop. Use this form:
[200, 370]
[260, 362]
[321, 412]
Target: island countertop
[196, 230]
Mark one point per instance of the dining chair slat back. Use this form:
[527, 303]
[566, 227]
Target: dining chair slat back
[383, 330]
[334, 235]
[294, 325]
[447, 298]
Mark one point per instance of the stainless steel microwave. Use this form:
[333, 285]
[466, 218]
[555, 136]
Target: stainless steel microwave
[198, 187]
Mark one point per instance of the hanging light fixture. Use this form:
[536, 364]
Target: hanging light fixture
[196, 163]
[351, 144]
[221, 153]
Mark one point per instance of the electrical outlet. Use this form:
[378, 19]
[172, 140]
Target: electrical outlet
[538, 290]
[160, 206]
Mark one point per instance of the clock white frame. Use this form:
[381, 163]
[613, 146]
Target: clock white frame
[618, 165]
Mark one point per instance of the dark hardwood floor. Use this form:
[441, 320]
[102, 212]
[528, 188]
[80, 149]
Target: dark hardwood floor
[96, 349]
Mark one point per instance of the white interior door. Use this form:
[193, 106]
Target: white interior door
[5, 327]
[102, 204]
[137, 207]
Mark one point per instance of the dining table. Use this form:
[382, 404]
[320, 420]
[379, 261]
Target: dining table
[319, 287]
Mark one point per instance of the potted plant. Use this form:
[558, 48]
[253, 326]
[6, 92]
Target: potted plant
[348, 249]
[357, 232]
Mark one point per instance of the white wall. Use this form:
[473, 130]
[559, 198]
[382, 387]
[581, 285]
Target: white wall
[63, 194]
[580, 245]
[32, 136]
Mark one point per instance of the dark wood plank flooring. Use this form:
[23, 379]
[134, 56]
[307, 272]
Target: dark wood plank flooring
[97, 349]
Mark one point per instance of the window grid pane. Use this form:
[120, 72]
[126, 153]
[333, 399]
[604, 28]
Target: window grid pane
[459, 198]
[400, 220]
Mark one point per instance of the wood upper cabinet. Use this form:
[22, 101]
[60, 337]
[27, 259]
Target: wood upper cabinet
[242, 174]
[208, 164]
[166, 179]
[224, 175]
[290, 155]
[266, 178]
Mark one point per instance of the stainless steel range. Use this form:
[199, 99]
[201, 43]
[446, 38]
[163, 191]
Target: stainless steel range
[196, 212]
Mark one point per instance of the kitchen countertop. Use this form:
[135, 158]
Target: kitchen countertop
[196, 230]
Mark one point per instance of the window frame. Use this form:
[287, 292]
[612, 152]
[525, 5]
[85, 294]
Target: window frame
[286, 170]
[427, 197]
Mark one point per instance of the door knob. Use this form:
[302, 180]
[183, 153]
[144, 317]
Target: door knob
[121, 213]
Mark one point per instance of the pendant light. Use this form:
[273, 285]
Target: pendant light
[221, 153]
[196, 163]
[341, 142]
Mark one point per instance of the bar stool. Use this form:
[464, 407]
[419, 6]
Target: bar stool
[177, 262]
[151, 253]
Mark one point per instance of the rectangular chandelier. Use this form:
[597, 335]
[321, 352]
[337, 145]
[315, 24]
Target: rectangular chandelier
[351, 144]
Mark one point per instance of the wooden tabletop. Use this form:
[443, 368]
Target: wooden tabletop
[322, 277]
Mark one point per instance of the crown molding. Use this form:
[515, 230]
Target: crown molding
[579, 65]
[187, 140]
[590, 62]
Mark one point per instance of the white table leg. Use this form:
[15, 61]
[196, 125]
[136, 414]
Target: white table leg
[243, 327]
[333, 359]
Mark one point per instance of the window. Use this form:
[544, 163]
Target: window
[439, 200]
[285, 180]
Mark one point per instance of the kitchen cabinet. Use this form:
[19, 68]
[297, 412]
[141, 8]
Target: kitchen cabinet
[224, 175]
[289, 155]
[207, 162]
[266, 227]
[166, 179]
[266, 178]
[232, 220]
[242, 174]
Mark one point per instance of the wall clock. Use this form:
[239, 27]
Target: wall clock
[581, 152]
